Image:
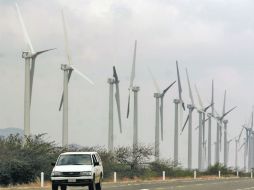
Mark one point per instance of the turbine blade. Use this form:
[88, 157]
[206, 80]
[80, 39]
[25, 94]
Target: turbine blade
[212, 101]
[27, 38]
[228, 112]
[242, 146]
[61, 101]
[185, 123]
[220, 136]
[32, 78]
[206, 108]
[199, 98]
[161, 116]
[179, 85]
[115, 75]
[67, 49]
[190, 91]
[32, 71]
[165, 90]
[224, 103]
[252, 119]
[180, 116]
[217, 113]
[154, 81]
[128, 106]
[40, 52]
[133, 68]
[117, 96]
[240, 134]
[82, 75]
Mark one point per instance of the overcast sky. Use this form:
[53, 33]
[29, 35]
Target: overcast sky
[212, 38]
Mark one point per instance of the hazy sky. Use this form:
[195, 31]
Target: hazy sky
[212, 38]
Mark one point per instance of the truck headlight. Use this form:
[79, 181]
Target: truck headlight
[86, 173]
[56, 173]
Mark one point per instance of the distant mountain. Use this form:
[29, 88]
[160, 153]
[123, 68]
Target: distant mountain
[7, 131]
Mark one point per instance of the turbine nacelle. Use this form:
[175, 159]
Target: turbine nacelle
[66, 67]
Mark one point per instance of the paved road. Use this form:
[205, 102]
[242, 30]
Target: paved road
[215, 184]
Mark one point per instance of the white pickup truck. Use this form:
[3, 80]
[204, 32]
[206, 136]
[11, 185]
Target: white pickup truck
[77, 169]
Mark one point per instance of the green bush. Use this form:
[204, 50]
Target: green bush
[23, 160]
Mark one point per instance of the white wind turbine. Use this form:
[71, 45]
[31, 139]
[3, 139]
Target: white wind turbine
[202, 113]
[159, 99]
[191, 107]
[180, 111]
[30, 57]
[113, 81]
[236, 149]
[220, 122]
[201, 132]
[135, 90]
[210, 116]
[67, 69]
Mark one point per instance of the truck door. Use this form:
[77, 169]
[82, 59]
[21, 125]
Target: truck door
[96, 169]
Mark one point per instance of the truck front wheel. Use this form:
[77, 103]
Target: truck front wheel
[54, 186]
[98, 185]
[92, 185]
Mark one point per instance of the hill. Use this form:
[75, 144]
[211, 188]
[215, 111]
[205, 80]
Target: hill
[7, 131]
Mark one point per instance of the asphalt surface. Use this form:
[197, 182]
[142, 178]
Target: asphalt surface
[214, 184]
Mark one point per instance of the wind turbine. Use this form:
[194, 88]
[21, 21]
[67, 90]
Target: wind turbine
[250, 143]
[113, 81]
[220, 121]
[67, 70]
[201, 132]
[236, 149]
[135, 90]
[180, 110]
[202, 112]
[159, 97]
[191, 107]
[210, 128]
[245, 151]
[30, 57]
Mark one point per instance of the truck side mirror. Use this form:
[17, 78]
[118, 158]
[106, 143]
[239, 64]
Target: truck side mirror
[53, 163]
[96, 163]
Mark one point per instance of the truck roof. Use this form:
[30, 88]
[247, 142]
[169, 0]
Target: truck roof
[66, 153]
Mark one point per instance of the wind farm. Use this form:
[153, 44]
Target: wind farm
[108, 77]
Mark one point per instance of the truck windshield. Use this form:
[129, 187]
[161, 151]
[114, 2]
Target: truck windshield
[74, 159]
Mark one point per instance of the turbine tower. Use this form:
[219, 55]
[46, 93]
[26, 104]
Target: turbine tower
[135, 90]
[225, 122]
[113, 81]
[180, 110]
[67, 69]
[228, 143]
[159, 99]
[30, 57]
